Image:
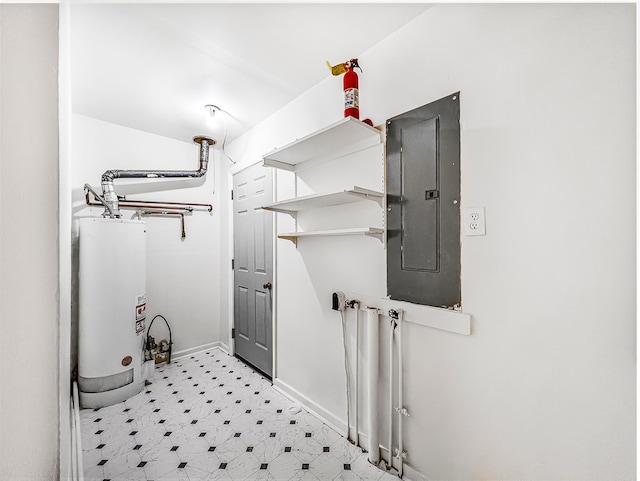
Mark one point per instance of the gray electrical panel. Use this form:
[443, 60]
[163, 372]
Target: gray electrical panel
[423, 201]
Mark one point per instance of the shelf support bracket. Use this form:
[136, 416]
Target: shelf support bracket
[376, 235]
[290, 238]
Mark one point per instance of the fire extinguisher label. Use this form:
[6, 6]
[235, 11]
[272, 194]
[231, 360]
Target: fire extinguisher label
[141, 313]
[351, 98]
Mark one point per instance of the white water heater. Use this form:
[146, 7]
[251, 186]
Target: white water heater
[112, 309]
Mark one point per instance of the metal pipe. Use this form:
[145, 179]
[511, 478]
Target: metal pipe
[109, 193]
[159, 206]
[184, 205]
[150, 204]
[87, 189]
[143, 205]
[147, 203]
[373, 338]
[140, 213]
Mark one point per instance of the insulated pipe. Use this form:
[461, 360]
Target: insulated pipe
[373, 338]
[109, 193]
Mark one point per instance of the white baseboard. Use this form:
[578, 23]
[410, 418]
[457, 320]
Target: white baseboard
[409, 473]
[325, 416]
[204, 347]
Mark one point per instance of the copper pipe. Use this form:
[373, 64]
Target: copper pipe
[208, 206]
[162, 213]
[151, 204]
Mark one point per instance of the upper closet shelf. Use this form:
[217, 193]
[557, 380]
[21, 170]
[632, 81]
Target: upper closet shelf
[344, 137]
[356, 194]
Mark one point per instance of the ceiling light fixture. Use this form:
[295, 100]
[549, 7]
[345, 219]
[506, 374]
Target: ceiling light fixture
[211, 114]
[212, 109]
[213, 123]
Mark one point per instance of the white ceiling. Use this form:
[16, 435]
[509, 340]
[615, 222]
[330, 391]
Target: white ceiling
[153, 67]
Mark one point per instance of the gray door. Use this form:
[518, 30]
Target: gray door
[253, 266]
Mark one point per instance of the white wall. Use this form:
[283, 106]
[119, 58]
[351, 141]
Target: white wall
[29, 359]
[183, 276]
[544, 388]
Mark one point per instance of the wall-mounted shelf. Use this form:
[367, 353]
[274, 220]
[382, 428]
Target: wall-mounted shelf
[366, 231]
[346, 136]
[356, 194]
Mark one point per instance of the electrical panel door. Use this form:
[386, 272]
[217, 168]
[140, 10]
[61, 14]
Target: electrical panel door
[423, 201]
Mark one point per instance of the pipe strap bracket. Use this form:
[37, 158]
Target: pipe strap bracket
[397, 455]
[403, 411]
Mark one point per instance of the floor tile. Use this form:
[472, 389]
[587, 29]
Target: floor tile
[243, 466]
[284, 466]
[345, 451]
[268, 450]
[231, 449]
[326, 466]
[307, 450]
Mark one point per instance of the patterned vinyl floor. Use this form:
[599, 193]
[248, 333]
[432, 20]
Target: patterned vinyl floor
[210, 417]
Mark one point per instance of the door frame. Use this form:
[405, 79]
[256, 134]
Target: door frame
[274, 291]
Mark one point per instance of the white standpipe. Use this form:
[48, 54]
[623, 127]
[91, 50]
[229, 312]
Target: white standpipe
[392, 326]
[373, 337]
[357, 385]
[402, 411]
[346, 370]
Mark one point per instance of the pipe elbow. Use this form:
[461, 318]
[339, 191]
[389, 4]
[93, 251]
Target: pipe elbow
[205, 144]
[109, 175]
[202, 171]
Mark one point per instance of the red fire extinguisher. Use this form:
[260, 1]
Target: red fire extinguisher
[350, 86]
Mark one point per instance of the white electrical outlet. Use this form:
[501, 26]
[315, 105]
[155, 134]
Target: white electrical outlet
[473, 221]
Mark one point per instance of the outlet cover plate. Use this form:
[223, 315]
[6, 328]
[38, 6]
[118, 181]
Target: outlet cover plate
[473, 221]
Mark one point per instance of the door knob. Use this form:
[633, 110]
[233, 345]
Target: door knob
[267, 285]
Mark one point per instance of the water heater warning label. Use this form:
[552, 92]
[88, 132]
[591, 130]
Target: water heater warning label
[141, 313]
